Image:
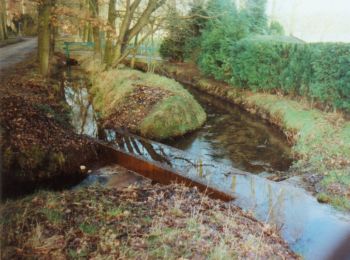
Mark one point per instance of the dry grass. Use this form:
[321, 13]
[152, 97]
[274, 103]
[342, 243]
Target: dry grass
[148, 222]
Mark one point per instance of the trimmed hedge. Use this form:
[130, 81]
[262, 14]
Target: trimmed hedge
[319, 71]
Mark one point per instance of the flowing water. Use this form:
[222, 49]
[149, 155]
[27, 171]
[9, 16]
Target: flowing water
[234, 137]
[224, 154]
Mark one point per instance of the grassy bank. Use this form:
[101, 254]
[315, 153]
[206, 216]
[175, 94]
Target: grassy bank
[321, 141]
[147, 222]
[144, 103]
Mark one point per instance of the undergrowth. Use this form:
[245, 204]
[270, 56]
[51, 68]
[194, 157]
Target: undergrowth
[147, 222]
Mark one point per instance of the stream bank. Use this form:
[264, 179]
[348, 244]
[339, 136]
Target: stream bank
[321, 141]
[39, 147]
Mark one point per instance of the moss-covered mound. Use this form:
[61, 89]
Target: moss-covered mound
[144, 103]
[147, 222]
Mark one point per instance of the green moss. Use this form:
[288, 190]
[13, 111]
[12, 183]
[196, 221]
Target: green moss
[56, 161]
[115, 212]
[8, 158]
[173, 117]
[74, 254]
[52, 215]
[323, 198]
[31, 158]
[88, 228]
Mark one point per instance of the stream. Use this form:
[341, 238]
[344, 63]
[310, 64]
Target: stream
[236, 138]
[233, 152]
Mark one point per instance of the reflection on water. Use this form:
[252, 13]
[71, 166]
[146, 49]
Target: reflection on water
[83, 117]
[310, 228]
[236, 138]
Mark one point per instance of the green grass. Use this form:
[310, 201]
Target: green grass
[52, 215]
[88, 228]
[322, 141]
[174, 115]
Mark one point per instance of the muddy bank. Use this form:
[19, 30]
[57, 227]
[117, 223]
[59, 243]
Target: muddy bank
[172, 222]
[320, 140]
[38, 143]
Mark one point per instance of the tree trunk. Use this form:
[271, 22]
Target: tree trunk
[89, 38]
[94, 8]
[85, 32]
[54, 33]
[44, 34]
[3, 29]
[132, 64]
[108, 57]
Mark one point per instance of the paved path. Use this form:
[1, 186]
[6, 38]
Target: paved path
[14, 53]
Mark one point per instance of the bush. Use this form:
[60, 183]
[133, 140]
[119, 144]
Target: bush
[276, 28]
[218, 37]
[183, 36]
[330, 81]
[172, 49]
[266, 63]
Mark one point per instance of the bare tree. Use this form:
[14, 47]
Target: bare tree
[132, 22]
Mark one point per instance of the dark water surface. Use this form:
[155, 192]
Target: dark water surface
[236, 138]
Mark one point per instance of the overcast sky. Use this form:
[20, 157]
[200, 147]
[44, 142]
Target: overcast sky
[313, 20]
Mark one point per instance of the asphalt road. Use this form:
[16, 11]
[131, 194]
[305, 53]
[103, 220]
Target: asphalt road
[14, 53]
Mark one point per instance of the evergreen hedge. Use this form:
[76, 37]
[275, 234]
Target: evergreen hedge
[320, 71]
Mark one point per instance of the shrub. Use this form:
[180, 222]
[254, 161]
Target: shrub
[266, 63]
[330, 81]
[172, 49]
[218, 37]
[183, 36]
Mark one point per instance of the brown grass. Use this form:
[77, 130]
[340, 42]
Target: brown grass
[148, 222]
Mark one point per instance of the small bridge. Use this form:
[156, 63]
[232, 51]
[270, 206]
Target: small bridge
[143, 51]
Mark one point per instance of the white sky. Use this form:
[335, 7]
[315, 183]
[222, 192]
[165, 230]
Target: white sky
[313, 20]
